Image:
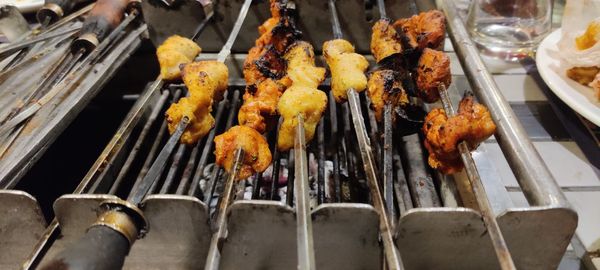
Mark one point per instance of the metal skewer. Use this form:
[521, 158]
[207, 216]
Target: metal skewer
[12, 48]
[304, 233]
[18, 59]
[392, 256]
[122, 220]
[68, 18]
[212, 261]
[500, 247]
[66, 68]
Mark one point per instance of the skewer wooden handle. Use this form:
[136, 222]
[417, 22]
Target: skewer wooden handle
[54, 10]
[102, 19]
[101, 248]
[106, 243]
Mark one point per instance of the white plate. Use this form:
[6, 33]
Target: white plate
[553, 70]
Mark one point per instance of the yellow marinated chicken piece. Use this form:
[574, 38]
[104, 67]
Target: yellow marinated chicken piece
[198, 113]
[206, 81]
[299, 100]
[301, 67]
[590, 37]
[257, 155]
[302, 97]
[347, 68]
[206, 77]
[174, 52]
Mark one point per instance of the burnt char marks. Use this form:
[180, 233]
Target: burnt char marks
[271, 64]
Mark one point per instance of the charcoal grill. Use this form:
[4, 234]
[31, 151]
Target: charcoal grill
[432, 217]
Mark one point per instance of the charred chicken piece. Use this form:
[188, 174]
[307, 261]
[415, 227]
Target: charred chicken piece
[173, 53]
[206, 81]
[347, 68]
[472, 124]
[276, 34]
[257, 155]
[426, 30]
[385, 87]
[385, 41]
[433, 69]
[260, 105]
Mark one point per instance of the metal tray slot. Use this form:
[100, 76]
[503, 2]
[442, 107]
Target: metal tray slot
[346, 236]
[21, 225]
[179, 234]
[261, 235]
[538, 236]
[444, 238]
[455, 238]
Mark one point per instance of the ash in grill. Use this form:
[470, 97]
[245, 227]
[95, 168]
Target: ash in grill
[351, 156]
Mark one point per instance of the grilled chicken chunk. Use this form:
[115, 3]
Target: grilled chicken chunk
[302, 97]
[433, 69]
[257, 155]
[173, 53]
[385, 41]
[299, 100]
[347, 68]
[385, 87]
[472, 124]
[206, 81]
[260, 104]
[426, 30]
[301, 67]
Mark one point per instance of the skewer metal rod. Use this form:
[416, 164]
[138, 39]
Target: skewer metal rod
[419, 178]
[335, 187]
[159, 164]
[226, 50]
[388, 169]
[202, 25]
[335, 21]
[4, 51]
[50, 75]
[401, 186]
[391, 253]
[500, 247]
[212, 183]
[291, 178]
[374, 132]
[276, 165]
[175, 164]
[321, 196]
[114, 35]
[212, 261]
[205, 150]
[258, 180]
[304, 233]
[60, 84]
[138, 144]
[381, 7]
[69, 18]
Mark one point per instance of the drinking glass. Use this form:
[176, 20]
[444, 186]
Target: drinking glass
[509, 29]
